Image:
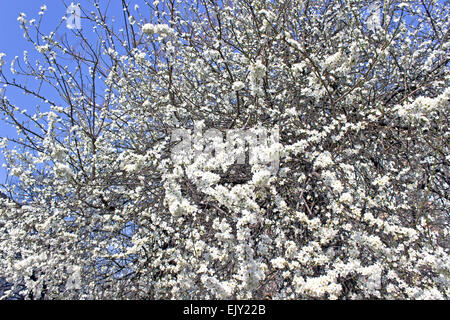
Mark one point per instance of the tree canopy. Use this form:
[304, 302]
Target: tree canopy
[105, 202]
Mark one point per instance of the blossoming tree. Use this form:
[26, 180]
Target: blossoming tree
[101, 206]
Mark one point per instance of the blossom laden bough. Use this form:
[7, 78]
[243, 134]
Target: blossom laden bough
[239, 150]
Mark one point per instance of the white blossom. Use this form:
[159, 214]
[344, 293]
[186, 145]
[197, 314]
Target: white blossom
[230, 157]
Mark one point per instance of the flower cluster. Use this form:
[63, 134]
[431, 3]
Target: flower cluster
[348, 200]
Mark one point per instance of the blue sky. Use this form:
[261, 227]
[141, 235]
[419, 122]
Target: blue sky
[13, 43]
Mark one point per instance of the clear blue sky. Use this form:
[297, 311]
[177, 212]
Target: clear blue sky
[13, 43]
